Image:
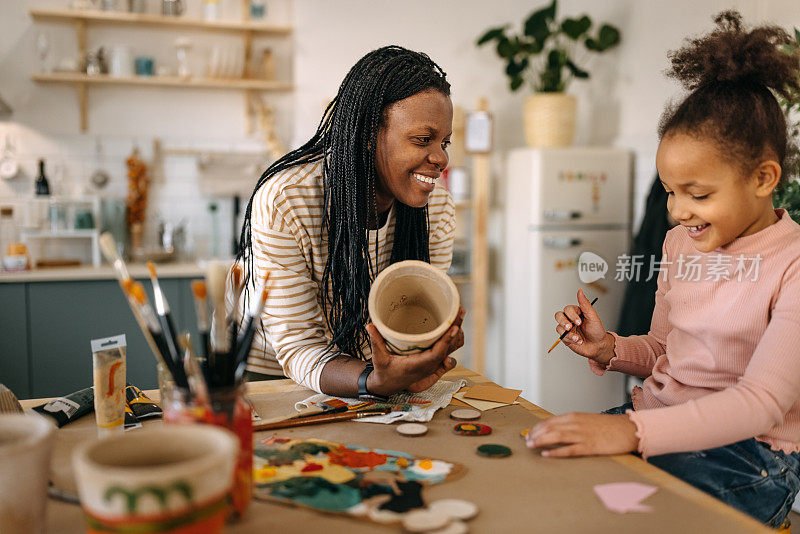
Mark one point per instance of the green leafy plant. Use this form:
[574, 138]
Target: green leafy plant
[787, 196]
[547, 52]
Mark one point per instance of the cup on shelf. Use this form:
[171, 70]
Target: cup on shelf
[26, 443]
[258, 9]
[173, 8]
[145, 65]
[120, 64]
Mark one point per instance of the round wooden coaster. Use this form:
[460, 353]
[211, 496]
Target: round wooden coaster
[456, 527]
[424, 520]
[412, 429]
[465, 415]
[494, 451]
[455, 508]
[472, 429]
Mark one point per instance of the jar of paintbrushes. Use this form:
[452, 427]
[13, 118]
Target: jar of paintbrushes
[206, 386]
[227, 408]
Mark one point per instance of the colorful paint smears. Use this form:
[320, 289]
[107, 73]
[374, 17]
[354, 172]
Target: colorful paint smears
[472, 429]
[371, 484]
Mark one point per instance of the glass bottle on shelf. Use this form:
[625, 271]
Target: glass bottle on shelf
[42, 185]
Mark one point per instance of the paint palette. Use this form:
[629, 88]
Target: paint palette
[371, 484]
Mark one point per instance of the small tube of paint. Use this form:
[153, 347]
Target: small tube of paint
[66, 409]
[108, 365]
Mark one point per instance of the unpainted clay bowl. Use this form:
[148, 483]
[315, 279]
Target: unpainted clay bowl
[412, 304]
[158, 479]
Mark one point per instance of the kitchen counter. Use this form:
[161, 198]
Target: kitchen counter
[105, 272]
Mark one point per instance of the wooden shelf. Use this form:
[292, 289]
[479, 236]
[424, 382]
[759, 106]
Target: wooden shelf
[142, 19]
[163, 81]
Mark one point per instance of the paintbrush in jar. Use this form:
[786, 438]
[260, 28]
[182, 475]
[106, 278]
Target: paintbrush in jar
[165, 319]
[109, 248]
[215, 280]
[156, 333]
[237, 277]
[200, 292]
[194, 373]
[245, 339]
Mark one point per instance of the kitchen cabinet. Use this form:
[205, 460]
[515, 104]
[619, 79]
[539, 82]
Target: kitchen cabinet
[46, 329]
[14, 364]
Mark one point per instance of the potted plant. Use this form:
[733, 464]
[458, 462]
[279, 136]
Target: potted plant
[547, 55]
[788, 195]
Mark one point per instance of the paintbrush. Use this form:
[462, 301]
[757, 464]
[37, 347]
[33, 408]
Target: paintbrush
[564, 334]
[137, 293]
[237, 276]
[245, 339]
[168, 327]
[109, 249]
[201, 310]
[215, 280]
[320, 419]
[194, 373]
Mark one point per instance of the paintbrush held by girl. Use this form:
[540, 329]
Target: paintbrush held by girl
[720, 405]
[326, 218]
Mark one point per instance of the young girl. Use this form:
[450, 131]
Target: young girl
[720, 406]
[326, 218]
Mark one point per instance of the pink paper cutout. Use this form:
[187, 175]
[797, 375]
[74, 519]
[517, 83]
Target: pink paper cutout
[624, 497]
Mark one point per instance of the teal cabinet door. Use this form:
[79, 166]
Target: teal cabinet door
[66, 316]
[14, 363]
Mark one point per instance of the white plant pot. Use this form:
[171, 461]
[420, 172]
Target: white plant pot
[550, 119]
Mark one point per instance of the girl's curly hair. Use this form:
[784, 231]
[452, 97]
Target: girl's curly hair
[733, 75]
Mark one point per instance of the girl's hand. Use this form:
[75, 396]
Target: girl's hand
[414, 372]
[587, 336]
[584, 434]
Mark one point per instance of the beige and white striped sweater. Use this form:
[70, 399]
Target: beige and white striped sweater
[289, 242]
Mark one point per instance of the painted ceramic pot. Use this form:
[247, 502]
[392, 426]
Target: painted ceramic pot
[412, 304]
[26, 442]
[169, 479]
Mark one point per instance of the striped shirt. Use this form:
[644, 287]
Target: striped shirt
[290, 243]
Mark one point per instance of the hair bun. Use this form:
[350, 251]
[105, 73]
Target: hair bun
[731, 54]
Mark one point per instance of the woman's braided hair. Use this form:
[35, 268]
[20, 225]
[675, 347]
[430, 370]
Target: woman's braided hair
[345, 141]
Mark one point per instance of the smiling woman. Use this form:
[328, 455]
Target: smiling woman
[326, 218]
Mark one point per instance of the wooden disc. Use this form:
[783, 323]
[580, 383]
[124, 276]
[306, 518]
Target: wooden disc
[424, 520]
[456, 527]
[412, 429]
[492, 450]
[472, 429]
[465, 415]
[455, 508]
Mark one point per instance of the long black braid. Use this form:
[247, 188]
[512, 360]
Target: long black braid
[345, 141]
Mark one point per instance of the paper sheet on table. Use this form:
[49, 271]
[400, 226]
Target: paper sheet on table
[492, 394]
[418, 407]
[624, 497]
[480, 404]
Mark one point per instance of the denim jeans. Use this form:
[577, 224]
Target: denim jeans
[747, 475]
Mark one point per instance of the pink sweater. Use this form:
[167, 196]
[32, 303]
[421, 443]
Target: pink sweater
[722, 358]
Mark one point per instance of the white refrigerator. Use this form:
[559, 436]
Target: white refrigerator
[562, 205]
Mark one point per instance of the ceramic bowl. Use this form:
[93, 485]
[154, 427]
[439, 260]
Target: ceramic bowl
[164, 479]
[26, 442]
[412, 304]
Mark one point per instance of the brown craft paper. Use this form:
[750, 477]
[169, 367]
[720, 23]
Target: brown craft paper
[521, 493]
[492, 393]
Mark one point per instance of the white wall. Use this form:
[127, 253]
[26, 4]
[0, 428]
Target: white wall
[619, 105]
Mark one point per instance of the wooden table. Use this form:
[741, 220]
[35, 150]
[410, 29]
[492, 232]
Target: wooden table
[522, 493]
